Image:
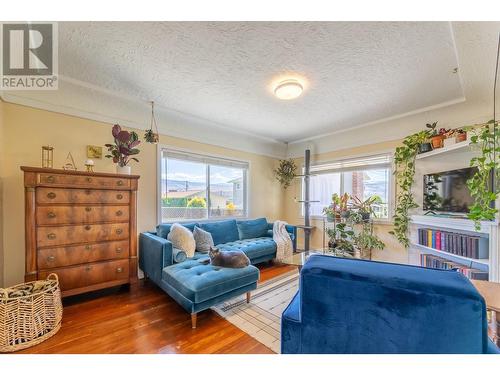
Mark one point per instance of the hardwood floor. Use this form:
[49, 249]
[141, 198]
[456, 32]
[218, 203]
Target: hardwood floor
[143, 319]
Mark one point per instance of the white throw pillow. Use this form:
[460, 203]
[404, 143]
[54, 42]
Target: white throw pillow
[182, 238]
[203, 239]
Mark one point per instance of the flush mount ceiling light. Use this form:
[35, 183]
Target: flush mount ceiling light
[288, 89]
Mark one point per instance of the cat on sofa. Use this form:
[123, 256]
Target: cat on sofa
[228, 259]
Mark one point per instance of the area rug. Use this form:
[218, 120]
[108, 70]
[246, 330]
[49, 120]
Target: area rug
[261, 318]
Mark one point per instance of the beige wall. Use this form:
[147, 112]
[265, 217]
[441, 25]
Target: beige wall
[393, 252]
[26, 129]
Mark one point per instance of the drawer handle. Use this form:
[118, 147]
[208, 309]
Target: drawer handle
[51, 258]
[50, 179]
[119, 270]
[51, 215]
[88, 247]
[51, 195]
[88, 209]
[51, 236]
[88, 268]
[119, 196]
[88, 227]
[119, 183]
[89, 179]
[119, 250]
[119, 213]
[119, 231]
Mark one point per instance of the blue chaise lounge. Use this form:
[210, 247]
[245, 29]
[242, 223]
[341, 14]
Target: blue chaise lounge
[354, 306]
[196, 286]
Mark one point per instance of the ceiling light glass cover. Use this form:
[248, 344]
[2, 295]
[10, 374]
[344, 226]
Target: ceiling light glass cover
[288, 89]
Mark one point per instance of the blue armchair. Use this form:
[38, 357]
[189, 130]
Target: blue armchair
[357, 306]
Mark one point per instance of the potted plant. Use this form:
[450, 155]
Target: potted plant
[330, 212]
[286, 172]
[366, 241]
[460, 135]
[365, 208]
[123, 149]
[340, 238]
[341, 203]
[436, 137]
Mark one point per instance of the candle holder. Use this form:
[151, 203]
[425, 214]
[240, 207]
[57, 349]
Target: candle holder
[47, 157]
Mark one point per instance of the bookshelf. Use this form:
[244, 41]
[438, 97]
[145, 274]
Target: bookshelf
[461, 226]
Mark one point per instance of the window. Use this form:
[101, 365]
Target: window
[363, 178]
[201, 187]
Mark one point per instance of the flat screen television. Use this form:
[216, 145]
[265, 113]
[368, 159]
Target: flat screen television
[447, 192]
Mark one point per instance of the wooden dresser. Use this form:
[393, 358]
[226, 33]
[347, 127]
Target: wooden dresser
[82, 226]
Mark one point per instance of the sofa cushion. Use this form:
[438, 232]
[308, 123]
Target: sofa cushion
[252, 228]
[203, 240]
[163, 230]
[221, 231]
[182, 238]
[253, 248]
[200, 282]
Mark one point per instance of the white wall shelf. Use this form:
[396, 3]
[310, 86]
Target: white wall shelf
[479, 264]
[460, 146]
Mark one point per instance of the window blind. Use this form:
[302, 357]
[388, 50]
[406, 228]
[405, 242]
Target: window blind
[346, 165]
[198, 158]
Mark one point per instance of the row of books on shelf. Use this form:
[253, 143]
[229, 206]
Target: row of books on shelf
[466, 245]
[432, 261]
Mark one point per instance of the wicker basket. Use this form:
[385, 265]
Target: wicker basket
[28, 320]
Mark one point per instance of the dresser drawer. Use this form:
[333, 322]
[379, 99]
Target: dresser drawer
[74, 234]
[55, 195]
[78, 254]
[89, 274]
[83, 181]
[50, 215]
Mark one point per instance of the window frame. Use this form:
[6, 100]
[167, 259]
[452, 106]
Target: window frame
[391, 183]
[246, 185]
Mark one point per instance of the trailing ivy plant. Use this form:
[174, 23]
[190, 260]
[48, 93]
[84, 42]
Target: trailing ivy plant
[486, 137]
[286, 172]
[404, 161]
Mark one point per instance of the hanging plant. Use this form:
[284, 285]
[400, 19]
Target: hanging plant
[481, 187]
[404, 160]
[151, 135]
[286, 172]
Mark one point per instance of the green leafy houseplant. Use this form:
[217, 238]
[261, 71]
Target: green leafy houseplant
[366, 208]
[486, 137]
[404, 160]
[366, 241]
[286, 172]
[124, 148]
[340, 238]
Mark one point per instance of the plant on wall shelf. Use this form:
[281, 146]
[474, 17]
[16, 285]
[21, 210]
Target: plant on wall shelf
[404, 160]
[486, 137]
[286, 172]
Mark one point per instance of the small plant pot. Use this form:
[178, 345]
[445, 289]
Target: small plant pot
[461, 137]
[437, 141]
[123, 170]
[345, 214]
[449, 141]
[365, 216]
[424, 147]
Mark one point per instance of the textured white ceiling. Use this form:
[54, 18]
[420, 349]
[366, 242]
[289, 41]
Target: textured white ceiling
[356, 72]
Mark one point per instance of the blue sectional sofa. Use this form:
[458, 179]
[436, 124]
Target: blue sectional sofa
[197, 286]
[356, 306]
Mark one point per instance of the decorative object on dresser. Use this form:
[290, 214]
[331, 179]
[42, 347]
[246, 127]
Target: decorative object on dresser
[69, 164]
[124, 148]
[81, 226]
[47, 157]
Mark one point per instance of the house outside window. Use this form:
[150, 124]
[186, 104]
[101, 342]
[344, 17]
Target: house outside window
[200, 187]
[360, 177]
